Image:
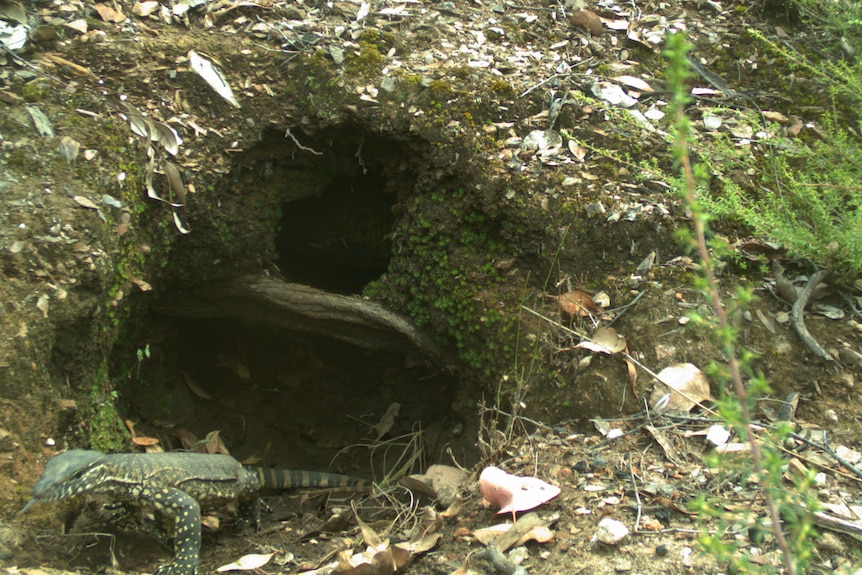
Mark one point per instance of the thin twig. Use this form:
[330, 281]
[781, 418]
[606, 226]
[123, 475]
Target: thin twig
[288, 134]
[624, 308]
[828, 451]
[33, 67]
[637, 496]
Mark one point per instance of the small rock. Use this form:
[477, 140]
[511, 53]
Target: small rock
[622, 565]
[518, 555]
[595, 208]
[387, 83]
[611, 532]
[69, 148]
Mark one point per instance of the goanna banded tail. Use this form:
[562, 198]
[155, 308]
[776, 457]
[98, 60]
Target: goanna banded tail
[282, 479]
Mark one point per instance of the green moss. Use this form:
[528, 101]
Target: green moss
[449, 281]
[382, 41]
[20, 159]
[410, 79]
[502, 88]
[365, 64]
[461, 72]
[35, 91]
[440, 90]
[104, 427]
[318, 59]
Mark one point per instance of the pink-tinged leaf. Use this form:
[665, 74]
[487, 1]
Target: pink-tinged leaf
[513, 493]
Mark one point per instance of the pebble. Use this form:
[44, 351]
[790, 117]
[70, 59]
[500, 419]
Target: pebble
[610, 531]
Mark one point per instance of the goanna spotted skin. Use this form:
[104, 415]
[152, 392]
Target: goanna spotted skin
[176, 485]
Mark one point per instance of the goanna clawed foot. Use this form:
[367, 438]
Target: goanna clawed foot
[177, 568]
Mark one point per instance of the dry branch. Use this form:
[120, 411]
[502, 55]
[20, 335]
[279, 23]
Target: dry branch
[301, 308]
[798, 321]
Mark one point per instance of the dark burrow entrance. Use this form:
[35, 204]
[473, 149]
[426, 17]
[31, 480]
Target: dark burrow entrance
[338, 241]
[288, 365]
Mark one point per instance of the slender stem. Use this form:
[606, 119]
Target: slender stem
[721, 315]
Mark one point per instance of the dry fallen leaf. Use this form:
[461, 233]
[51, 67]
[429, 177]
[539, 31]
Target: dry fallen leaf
[537, 533]
[431, 521]
[633, 82]
[175, 181]
[587, 20]
[375, 560]
[424, 543]
[138, 439]
[440, 482]
[179, 224]
[578, 151]
[464, 570]
[213, 76]
[42, 304]
[454, 509]
[577, 303]
[686, 384]
[632, 372]
[214, 444]
[247, 562]
[142, 284]
[605, 340]
[387, 420]
[145, 8]
[109, 14]
[188, 439]
[195, 387]
[210, 522]
[487, 535]
[85, 202]
[142, 441]
[234, 365]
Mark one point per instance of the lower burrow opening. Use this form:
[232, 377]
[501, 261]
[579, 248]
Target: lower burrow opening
[296, 400]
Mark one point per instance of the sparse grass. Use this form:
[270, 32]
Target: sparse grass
[809, 196]
[815, 208]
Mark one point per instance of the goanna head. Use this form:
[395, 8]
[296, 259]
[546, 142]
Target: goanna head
[66, 475]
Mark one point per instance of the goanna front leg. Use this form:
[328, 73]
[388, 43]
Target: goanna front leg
[248, 514]
[185, 512]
